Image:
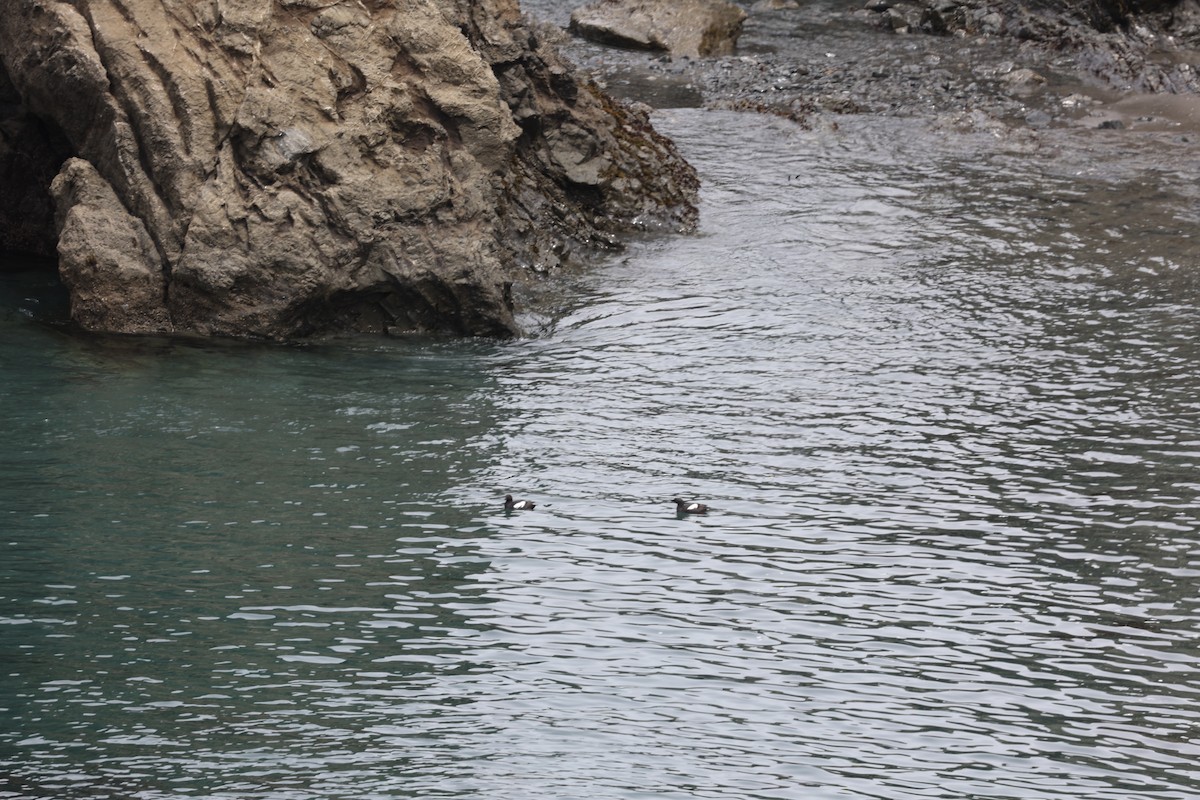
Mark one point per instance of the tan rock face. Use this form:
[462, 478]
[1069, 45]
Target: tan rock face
[690, 28]
[108, 262]
[259, 168]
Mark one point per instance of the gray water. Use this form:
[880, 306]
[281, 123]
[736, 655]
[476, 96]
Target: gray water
[940, 388]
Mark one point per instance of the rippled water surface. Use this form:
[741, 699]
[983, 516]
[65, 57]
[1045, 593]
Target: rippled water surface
[940, 388]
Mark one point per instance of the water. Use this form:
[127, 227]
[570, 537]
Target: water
[941, 389]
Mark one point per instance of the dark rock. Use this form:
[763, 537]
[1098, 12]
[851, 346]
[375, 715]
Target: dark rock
[31, 152]
[826, 58]
[1144, 45]
[904, 17]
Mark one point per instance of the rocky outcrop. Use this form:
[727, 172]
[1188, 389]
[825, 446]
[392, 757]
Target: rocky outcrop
[277, 168]
[1143, 45]
[689, 28]
[1021, 18]
[108, 261]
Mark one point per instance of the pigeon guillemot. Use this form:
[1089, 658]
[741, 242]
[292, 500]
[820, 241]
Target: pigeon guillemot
[519, 505]
[684, 507]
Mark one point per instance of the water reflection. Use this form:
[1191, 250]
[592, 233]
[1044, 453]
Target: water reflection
[945, 464]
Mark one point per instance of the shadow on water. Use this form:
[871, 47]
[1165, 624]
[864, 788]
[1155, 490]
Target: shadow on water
[227, 565]
[30, 291]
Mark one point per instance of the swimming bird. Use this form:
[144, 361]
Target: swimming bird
[684, 507]
[519, 505]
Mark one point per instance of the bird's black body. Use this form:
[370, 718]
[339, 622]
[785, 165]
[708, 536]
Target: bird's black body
[519, 505]
[688, 507]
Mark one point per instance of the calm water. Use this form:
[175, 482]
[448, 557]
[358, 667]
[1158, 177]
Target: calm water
[942, 391]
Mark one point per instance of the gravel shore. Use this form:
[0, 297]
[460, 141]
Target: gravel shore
[995, 61]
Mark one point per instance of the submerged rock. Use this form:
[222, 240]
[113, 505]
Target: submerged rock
[277, 168]
[680, 27]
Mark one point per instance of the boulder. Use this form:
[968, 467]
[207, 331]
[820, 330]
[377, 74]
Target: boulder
[689, 28]
[107, 260]
[277, 168]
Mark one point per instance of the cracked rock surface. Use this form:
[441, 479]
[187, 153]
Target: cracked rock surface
[280, 168]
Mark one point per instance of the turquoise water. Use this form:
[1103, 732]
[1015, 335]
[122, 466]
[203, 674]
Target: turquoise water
[941, 392]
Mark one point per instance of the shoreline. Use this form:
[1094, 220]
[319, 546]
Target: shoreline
[822, 59]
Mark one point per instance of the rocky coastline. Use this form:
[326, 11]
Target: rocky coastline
[279, 170]
[1018, 64]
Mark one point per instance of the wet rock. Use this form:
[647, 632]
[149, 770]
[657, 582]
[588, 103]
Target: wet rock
[903, 17]
[1038, 119]
[988, 23]
[686, 28]
[831, 58]
[1023, 80]
[764, 6]
[1145, 45]
[107, 259]
[1076, 101]
[900, 16]
[275, 169]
